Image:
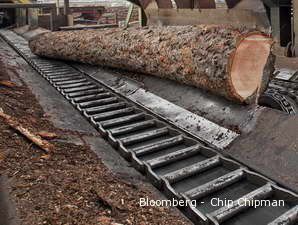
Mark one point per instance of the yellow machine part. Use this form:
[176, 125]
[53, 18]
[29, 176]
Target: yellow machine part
[21, 1]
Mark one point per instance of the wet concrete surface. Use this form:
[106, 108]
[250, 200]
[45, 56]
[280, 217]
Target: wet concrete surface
[270, 147]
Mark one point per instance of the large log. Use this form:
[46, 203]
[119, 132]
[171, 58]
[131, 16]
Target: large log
[234, 63]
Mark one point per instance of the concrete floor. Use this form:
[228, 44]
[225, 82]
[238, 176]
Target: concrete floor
[270, 147]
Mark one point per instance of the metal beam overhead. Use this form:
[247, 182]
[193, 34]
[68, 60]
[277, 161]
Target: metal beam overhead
[26, 6]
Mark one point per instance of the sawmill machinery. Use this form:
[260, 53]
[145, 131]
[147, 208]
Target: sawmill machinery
[134, 112]
[115, 77]
[276, 16]
[273, 16]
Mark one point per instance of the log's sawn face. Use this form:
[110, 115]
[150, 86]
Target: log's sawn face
[221, 59]
[248, 64]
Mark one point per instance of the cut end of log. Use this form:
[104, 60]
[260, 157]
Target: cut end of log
[248, 64]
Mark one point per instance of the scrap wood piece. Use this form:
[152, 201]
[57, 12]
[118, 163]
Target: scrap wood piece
[13, 123]
[47, 135]
[7, 83]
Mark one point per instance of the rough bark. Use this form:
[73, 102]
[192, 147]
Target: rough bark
[200, 56]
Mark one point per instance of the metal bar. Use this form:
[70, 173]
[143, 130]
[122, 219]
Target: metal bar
[129, 14]
[61, 76]
[86, 88]
[241, 204]
[157, 146]
[80, 84]
[98, 102]
[132, 127]
[85, 92]
[91, 97]
[112, 114]
[122, 120]
[288, 218]
[192, 169]
[73, 81]
[174, 156]
[137, 138]
[215, 185]
[26, 5]
[105, 108]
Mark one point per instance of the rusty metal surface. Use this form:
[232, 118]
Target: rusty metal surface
[271, 147]
[27, 5]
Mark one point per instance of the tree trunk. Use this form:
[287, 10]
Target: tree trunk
[233, 63]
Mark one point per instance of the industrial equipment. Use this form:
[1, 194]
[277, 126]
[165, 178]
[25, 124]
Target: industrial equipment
[190, 143]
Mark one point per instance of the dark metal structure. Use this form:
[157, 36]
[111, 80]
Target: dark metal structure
[203, 3]
[273, 15]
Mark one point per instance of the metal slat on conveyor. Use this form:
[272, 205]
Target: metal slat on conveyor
[180, 166]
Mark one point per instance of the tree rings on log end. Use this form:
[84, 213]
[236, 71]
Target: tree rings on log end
[248, 66]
